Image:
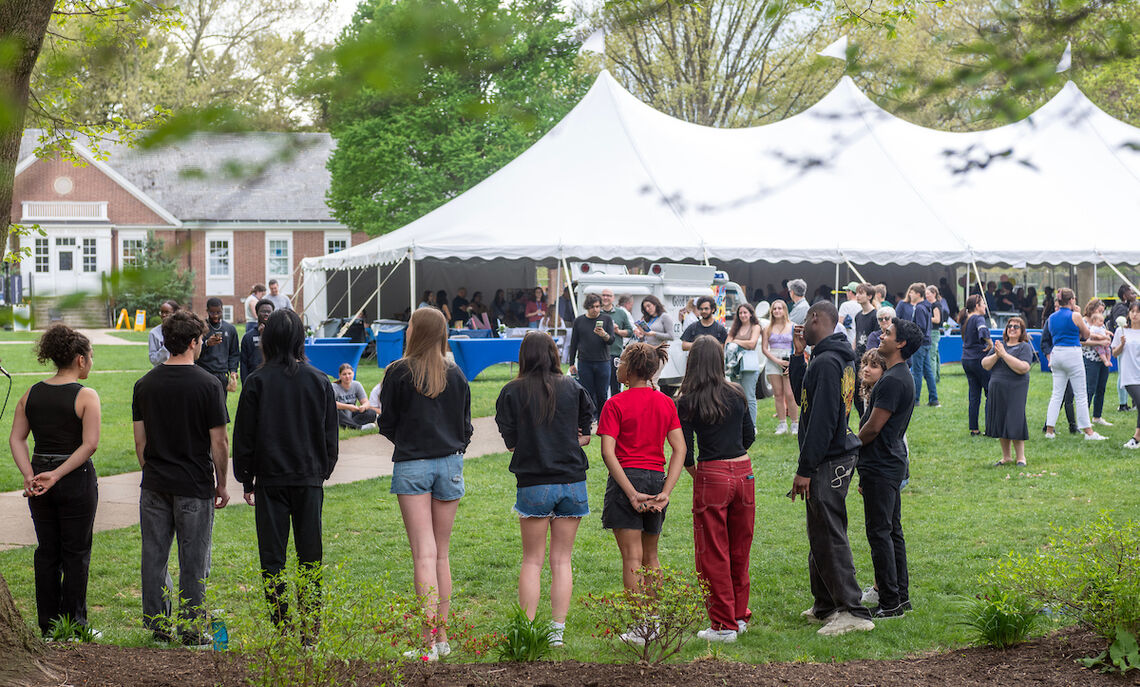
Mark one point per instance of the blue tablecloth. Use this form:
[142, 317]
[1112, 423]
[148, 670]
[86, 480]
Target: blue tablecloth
[328, 357]
[471, 333]
[475, 355]
[950, 345]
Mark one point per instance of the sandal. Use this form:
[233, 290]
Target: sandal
[1002, 462]
[975, 432]
[1021, 463]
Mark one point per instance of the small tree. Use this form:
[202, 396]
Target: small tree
[155, 277]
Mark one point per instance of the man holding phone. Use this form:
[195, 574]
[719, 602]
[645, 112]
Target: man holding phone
[590, 340]
[221, 350]
[828, 453]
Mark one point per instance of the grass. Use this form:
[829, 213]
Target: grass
[960, 515]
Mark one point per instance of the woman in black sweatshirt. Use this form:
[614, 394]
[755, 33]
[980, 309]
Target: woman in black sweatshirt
[285, 447]
[545, 417]
[426, 413]
[724, 488]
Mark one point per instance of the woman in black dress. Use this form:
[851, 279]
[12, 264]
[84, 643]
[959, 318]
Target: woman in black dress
[1009, 364]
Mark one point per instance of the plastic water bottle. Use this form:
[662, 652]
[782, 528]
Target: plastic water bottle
[221, 634]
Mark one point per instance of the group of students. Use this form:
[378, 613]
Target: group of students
[1079, 349]
[285, 447]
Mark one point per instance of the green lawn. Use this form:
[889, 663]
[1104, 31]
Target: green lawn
[960, 514]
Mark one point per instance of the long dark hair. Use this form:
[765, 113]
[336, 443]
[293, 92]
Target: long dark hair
[705, 393]
[752, 321]
[659, 310]
[540, 371]
[283, 341]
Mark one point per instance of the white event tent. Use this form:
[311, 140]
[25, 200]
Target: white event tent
[842, 182]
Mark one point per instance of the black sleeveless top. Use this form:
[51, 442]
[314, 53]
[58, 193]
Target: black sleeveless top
[50, 408]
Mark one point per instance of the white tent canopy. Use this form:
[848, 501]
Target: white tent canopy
[843, 180]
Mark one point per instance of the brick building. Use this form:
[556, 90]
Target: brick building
[240, 209]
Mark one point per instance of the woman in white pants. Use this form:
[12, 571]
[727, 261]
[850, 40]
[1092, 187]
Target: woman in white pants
[1068, 329]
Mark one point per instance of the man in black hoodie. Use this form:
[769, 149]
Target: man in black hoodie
[828, 452]
[285, 446]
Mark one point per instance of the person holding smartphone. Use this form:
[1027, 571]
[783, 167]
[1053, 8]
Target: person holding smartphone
[590, 340]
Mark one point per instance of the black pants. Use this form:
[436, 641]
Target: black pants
[830, 565]
[615, 385]
[63, 518]
[882, 509]
[274, 508]
[978, 379]
[594, 376]
[354, 419]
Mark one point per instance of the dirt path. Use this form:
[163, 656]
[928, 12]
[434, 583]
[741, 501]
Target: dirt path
[361, 458]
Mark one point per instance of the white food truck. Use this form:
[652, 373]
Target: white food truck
[674, 285]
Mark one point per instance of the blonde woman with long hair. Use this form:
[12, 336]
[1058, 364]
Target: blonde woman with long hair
[776, 343]
[426, 413]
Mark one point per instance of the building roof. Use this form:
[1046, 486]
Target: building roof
[272, 177]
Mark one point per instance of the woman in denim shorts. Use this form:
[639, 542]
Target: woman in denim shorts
[545, 419]
[427, 415]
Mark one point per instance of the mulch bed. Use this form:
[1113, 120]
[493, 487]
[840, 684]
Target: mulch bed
[1046, 661]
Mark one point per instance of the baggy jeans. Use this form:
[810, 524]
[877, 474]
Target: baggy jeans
[830, 565]
[162, 517]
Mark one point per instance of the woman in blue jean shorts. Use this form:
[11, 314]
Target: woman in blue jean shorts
[427, 414]
[545, 417]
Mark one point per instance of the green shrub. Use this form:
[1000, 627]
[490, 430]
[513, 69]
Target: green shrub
[66, 630]
[1090, 574]
[665, 612]
[524, 639]
[1001, 619]
[1121, 656]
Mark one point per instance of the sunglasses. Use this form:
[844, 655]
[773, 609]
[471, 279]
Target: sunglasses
[884, 319]
[1013, 326]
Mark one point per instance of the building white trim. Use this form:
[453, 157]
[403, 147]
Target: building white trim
[220, 284]
[63, 211]
[282, 271]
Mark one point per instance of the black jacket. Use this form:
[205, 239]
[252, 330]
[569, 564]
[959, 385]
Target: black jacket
[223, 357]
[423, 427]
[826, 389]
[250, 352]
[285, 430]
[545, 453]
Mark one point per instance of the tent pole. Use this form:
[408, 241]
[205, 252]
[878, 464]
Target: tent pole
[856, 271]
[982, 289]
[412, 277]
[1120, 274]
[350, 292]
[835, 291]
[569, 285]
[1096, 286]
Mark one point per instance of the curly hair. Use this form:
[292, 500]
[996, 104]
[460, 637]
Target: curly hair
[642, 360]
[60, 344]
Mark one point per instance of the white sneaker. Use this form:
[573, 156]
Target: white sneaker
[1050, 435]
[369, 426]
[430, 655]
[638, 635]
[870, 597]
[843, 622]
[782, 428]
[556, 632]
[711, 635]
[742, 627]
[1101, 421]
[442, 649]
[795, 430]
[810, 616]
[1132, 443]
[1095, 437]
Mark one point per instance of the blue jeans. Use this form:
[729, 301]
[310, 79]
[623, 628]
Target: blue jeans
[748, 381]
[1096, 379]
[920, 367]
[594, 376]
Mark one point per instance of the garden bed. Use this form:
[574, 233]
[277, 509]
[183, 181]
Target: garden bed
[1045, 661]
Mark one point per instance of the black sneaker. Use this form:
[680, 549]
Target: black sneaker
[1123, 408]
[879, 613]
[162, 636]
[1072, 429]
[906, 605]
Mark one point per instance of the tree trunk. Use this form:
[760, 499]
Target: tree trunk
[21, 648]
[23, 24]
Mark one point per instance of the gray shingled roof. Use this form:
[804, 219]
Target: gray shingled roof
[285, 177]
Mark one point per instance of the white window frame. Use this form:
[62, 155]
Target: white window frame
[42, 251]
[331, 236]
[124, 237]
[65, 244]
[219, 284]
[284, 279]
[93, 255]
[228, 313]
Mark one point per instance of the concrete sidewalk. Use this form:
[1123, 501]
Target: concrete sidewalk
[361, 458]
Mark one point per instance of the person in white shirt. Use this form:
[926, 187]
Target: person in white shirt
[155, 343]
[256, 293]
[1126, 348]
[848, 310]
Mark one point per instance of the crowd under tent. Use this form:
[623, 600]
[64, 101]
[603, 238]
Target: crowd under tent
[843, 188]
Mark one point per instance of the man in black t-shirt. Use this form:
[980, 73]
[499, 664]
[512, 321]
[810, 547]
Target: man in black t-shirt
[179, 414]
[883, 464]
[706, 308]
[251, 342]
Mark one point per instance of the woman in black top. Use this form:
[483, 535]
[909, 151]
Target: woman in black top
[426, 413]
[724, 488]
[590, 340]
[545, 418]
[62, 416]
